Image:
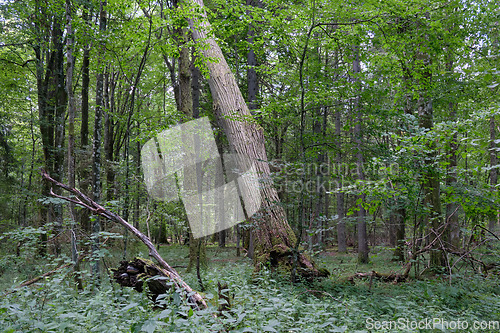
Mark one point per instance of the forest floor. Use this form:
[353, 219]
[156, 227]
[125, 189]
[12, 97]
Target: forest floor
[264, 302]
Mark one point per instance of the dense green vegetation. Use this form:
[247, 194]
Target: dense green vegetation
[266, 302]
[373, 127]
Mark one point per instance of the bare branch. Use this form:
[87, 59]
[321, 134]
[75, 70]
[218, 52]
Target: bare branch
[197, 301]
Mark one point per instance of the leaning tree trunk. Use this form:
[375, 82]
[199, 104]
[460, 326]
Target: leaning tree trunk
[274, 238]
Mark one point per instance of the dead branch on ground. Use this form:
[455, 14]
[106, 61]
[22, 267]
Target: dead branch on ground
[196, 300]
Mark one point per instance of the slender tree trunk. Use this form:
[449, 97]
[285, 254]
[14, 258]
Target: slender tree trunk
[219, 198]
[341, 232]
[109, 134]
[451, 180]
[195, 86]
[197, 246]
[319, 129]
[83, 170]
[252, 90]
[71, 125]
[138, 184]
[399, 226]
[493, 171]
[274, 238]
[96, 159]
[430, 178]
[362, 236]
[252, 79]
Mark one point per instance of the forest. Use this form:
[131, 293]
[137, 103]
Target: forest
[249, 166]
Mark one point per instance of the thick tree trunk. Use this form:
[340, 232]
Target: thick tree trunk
[274, 237]
[52, 109]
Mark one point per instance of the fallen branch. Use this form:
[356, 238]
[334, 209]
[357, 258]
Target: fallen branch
[392, 277]
[38, 278]
[196, 301]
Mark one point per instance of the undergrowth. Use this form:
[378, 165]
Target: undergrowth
[264, 302]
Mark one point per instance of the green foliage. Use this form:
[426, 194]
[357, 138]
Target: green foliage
[261, 302]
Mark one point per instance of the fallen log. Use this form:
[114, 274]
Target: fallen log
[392, 277]
[196, 300]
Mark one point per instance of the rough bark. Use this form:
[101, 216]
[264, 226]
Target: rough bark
[274, 238]
[51, 106]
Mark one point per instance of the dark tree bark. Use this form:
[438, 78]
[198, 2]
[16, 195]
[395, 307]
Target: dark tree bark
[71, 122]
[252, 79]
[52, 108]
[252, 90]
[430, 177]
[341, 232]
[399, 218]
[138, 184]
[109, 134]
[96, 148]
[451, 179]
[83, 170]
[319, 129]
[195, 86]
[358, 137]
[274, 238]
